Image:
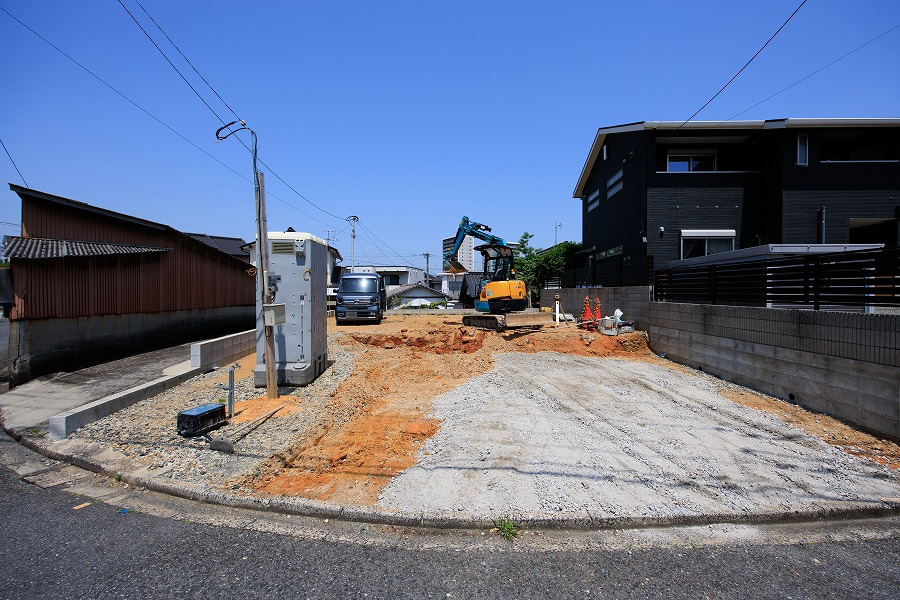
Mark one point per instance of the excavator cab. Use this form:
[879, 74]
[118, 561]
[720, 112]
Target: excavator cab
[501, 292]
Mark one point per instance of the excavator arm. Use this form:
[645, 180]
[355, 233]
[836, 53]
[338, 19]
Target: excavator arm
[476, 230]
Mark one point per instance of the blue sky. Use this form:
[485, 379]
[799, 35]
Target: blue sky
[408, 115]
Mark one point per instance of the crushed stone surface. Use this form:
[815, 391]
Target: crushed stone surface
[422, 414]
[554, 434]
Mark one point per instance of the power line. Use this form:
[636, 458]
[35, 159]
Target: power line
[270, 169]
[148, 113]
[364, 228]
[129, 100]
[152, 41]
[816, 72]
[739, 72]
[174, 45]
[13, 162]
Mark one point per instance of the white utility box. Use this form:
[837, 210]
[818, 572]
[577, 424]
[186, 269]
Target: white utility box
[298, 266]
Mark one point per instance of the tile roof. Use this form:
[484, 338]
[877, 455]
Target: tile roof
[228, 245]
[38, 248]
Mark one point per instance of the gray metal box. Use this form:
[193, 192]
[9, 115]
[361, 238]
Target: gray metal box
[300, 260]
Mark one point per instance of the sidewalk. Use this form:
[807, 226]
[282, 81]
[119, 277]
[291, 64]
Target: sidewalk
[32, 404]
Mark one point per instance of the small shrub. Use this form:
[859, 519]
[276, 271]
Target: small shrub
[506, 528]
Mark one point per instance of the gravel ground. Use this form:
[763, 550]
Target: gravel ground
[146, 431]
[549, 433]
[540, 433]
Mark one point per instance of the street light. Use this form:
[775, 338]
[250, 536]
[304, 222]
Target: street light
[265, 289]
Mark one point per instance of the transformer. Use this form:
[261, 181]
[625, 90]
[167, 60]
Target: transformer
[298, 265]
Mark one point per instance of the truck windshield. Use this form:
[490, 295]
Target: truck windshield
[360, 284]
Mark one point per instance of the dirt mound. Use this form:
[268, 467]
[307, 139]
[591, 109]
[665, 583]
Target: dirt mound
[376, 420]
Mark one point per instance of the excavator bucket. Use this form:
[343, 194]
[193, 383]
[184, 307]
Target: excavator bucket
[454, 266]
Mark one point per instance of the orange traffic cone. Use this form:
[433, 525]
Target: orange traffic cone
[586, 311]
[597, 313]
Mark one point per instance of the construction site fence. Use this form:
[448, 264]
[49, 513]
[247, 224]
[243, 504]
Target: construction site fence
[836, 281]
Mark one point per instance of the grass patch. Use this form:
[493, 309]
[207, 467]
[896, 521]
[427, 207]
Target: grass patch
[506, 528]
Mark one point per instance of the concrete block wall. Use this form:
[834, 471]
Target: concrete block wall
[37, 347]
[634, 302]
[843, 364]
[211, 354]
[4, 349]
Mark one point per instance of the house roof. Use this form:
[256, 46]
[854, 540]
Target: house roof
[404, 289]
[84, 206]
[228, 245]
[38, 248]
[25, 192]
[600, 138]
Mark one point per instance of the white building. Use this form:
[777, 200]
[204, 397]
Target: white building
[393, 275]
[466, 252]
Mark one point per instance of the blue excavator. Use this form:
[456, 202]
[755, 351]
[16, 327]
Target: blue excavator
[502, 297]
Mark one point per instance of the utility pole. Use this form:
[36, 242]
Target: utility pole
[265, 287]
[328, 236]
[427, 256]
[353, 219]
[556, 227]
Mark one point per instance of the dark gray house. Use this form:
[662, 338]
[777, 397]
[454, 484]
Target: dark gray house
[654, 192]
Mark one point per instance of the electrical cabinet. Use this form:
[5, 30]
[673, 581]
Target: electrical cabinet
[298, 265]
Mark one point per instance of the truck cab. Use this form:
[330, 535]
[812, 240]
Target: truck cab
[360, 297]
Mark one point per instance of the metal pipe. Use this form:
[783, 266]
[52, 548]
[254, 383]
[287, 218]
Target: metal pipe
[820, 237]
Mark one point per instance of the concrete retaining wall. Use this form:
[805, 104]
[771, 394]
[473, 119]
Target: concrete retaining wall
[65, 423]
[211, 354]
[38, 347]
[4, 349]
[843, 364]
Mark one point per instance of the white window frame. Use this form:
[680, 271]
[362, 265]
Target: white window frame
[690, 153]
[706, 235]
[802, 150]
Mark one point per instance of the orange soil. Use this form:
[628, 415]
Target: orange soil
[375, 421]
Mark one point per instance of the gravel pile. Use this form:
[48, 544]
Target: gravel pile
[146, 431]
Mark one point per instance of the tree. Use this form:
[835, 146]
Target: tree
[534, 266]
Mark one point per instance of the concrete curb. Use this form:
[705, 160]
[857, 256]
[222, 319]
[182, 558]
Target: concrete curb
[888, 507]
[65, 423]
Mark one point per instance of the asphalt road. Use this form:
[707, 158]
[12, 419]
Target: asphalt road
[51, 549]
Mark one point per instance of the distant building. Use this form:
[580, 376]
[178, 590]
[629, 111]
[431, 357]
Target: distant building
[393, 275]
[414, 296]
[466, 252]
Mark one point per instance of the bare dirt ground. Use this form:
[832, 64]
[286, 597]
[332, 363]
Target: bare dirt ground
[376, 421]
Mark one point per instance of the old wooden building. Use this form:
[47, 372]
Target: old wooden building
[90, 284]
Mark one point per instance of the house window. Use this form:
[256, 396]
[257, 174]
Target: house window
[604, 151]
[391, 279]
[685, 163]
[614, 184]
[594, 201]
[702, 242]
[802, 149]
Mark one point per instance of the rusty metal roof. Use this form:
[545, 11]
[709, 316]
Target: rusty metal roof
[39, 248]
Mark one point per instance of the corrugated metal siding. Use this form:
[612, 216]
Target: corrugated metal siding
[191, 276]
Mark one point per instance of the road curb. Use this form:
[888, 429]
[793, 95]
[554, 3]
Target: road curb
[445, 520]
[65, 423]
